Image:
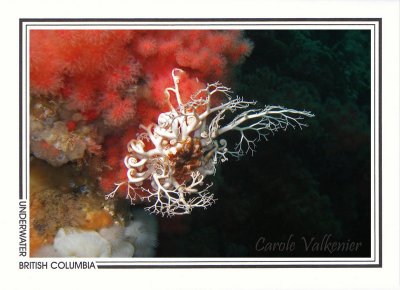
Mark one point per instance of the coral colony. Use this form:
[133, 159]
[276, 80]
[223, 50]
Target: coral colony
[108, 125]
[185, 146]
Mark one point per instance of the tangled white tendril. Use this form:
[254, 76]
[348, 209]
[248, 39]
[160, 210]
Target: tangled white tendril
[168, 162]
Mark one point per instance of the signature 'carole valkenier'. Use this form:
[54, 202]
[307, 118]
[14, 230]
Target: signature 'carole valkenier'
[309, 244]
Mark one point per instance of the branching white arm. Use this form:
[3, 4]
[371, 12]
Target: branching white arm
[185, 146]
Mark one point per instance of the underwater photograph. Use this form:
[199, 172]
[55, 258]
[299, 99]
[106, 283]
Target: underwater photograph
[199, 143]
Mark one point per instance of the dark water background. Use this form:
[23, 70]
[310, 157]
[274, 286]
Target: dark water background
[306, 183]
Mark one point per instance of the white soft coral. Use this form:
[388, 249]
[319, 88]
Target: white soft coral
[142, 233]
[137, 239]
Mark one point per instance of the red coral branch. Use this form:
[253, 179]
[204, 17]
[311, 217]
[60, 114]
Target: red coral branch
[115, 79]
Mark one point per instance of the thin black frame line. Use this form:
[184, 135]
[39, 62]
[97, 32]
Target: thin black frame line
[374, 155]
[101, 267]
[380, 141]
[195, 19]
[180, 24]
[235, 259]
[379, 20]
[374, 216]
[27, 112]
[361, 262]
[20, 131]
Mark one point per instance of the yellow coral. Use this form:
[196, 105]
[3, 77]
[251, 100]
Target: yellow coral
[56, 201]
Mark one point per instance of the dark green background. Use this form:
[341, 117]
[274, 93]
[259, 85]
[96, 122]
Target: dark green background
[309, 182]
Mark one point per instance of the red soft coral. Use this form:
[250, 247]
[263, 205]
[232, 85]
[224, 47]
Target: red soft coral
[116, 78]
[147, 46]
[83, 66]
[120, 112]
